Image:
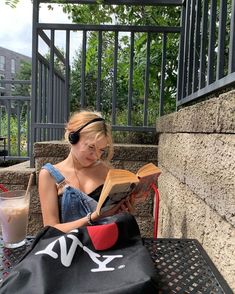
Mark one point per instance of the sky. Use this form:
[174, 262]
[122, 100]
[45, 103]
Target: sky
[16, 26]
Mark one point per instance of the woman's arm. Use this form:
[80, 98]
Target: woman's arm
[49, 205]
[48, 195]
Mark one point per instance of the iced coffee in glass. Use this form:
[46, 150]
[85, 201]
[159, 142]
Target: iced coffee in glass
[14, 212]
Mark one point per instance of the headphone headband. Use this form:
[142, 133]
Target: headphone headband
[74, 136]
[90, 122]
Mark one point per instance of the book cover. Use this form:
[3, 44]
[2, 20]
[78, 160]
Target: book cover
[120, 184]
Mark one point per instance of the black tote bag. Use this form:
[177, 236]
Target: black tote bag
[107, 258]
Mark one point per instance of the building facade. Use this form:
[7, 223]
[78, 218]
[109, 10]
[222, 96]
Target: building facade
[10, 63]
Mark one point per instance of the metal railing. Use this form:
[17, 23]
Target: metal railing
[207, 49]
[15, 121]
[205, 43]
[57, 94]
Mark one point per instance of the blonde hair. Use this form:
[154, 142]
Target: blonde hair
[97, 129]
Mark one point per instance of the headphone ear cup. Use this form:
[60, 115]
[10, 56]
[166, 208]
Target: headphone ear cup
[73, 137]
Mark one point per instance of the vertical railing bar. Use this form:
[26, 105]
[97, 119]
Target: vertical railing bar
[1, 121]
[18, 128]
[58, 118]
[191, 47]
[130, 83]
[48, 93]
[163, 74]
[34, 77]
[55, 104]
[60, 110]
[51, 82]
[186, 45]
[9, 126]
[83, 69]
[114, 94]
[221, 40]
[197, 46]
[39, 100]
[44, 92]
[98, 100]
[202, 69]
[28, 126]
[64, 121]
[211, 49]
[231, 67]
[66, 109]
[59, 114]
[181, 54]
[146, 84]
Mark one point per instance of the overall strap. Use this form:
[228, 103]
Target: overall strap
[59, 178]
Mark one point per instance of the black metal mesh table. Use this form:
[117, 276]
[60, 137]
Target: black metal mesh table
[182, 266]
[10, 257]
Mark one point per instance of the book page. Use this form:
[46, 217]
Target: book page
[118, 182]
[142, 189]
[148, 169]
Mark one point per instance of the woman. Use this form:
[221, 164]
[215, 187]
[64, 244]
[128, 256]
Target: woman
[69, 190]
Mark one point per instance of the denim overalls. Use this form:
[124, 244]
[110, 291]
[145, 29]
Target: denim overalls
[74, 204]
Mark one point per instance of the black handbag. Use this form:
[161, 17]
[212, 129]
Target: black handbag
[105, 258]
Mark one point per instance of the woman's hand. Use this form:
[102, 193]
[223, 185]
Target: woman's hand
[124, 205]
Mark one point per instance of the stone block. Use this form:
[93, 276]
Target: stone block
[35, 224]
[135, 152]
[146, 226]
[210, 116]
[206, 163]
[35, 206]
[219, 243]
[172, 154]
[60, 148]
[226, 123]
[185, 215]
[210, 170]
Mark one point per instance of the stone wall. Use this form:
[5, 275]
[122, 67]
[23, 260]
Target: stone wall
[196, 154]
[130, 157]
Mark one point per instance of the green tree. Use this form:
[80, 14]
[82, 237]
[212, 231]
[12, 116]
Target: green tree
[128, 15]
[24, 74]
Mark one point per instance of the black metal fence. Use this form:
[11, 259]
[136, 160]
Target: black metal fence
[15, 119]
[207, 49]
[56, 87]
[205, 46]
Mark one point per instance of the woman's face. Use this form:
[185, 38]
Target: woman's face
[88, 150]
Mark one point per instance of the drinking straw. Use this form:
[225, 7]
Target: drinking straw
[4, 189]
[29, 184]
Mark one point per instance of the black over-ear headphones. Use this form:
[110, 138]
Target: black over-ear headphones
[74, 136]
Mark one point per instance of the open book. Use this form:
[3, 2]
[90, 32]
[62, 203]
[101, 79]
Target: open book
[120, 184]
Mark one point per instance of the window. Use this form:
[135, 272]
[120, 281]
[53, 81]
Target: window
[13, 66]
[12, 86]
[2, 62]
[2, 77]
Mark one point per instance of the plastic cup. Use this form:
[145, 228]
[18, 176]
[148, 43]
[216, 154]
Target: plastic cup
[14, 212]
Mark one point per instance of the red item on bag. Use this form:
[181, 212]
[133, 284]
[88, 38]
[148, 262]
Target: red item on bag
[3, 188]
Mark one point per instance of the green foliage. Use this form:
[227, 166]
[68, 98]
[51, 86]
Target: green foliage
[12, 3]
[122, 14]
[126, 15]
[14, 133]
[24, 75]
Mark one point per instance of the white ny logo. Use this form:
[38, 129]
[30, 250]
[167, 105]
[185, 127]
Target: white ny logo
[66, 256]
